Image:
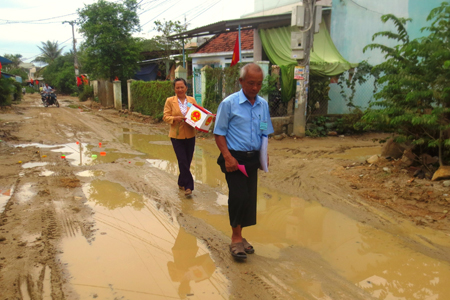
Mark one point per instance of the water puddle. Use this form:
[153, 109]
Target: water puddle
[357, 154]
[5, 195]
[161, 155]
[34, 165]
[80, 154]
[376, 261]
[46, 173]
[138, 253]
[25, 193]
[90, 173]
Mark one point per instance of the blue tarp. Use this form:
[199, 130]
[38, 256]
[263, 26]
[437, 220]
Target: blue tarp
[5, 61]
[147, 72]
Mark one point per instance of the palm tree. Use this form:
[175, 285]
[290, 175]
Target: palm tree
[50, 52]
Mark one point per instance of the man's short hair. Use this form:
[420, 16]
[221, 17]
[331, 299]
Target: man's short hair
[249, 66]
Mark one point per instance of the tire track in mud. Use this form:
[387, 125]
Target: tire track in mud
[32, 230]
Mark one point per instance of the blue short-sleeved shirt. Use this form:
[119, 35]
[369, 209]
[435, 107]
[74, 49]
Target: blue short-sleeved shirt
[243, 123]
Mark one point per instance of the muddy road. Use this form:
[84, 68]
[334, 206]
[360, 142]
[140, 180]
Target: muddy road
[90, 209]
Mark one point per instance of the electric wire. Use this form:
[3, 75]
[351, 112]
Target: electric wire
[357, 4]
[160, 13]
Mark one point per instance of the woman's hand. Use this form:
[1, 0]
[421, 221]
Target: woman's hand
[178, 119]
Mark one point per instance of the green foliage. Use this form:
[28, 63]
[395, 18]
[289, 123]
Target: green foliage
[269, 85]
[88, 92]
[317, 128]
[319, 88]
[350, 123]
[149, 97]
[30, 90]
[49, 52]
[60, 74]
[6, 90]
[16, 60]
[109, 49]
[219, 84]
[353, 77]
[415, 99]
[17, 91]
[19, 72]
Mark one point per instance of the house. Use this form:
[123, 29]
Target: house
[217, 53]
[351, 24]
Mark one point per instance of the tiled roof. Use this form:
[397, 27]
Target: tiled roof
[224, 42]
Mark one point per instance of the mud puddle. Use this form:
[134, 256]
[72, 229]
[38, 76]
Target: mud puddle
[80, 154]
[161, 155]
[5, 195]
[137, 253]
[374, 260]
[359, 154]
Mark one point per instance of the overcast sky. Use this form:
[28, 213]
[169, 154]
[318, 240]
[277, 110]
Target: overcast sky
[21, 28]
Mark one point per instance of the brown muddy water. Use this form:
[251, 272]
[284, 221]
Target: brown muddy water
[139, 252]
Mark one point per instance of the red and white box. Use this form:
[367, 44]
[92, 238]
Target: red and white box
[200, 118]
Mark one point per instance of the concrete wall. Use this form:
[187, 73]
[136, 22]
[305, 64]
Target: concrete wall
[353, 23]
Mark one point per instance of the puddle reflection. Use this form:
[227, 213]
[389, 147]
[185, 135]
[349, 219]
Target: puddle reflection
[375, 260]
[161, 155]
[137, 253]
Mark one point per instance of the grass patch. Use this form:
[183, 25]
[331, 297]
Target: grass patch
[72, 106]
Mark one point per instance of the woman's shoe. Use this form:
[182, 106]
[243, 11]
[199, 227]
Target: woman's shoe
[187, 192]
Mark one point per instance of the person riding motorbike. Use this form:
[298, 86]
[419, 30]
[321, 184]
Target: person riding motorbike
[46, 91]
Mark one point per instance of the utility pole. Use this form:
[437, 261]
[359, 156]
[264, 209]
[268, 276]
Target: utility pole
[75, 62]
[301, 43]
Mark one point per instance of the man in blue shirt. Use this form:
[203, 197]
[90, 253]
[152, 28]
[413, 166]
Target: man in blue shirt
[242, 118]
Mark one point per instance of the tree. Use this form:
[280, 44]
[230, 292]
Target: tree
[16, 61]
[415, 99]
[166, 29]
[50, 52]
[109, 48]
[60, 74]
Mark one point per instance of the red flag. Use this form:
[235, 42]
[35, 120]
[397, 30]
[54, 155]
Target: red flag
[37, 82]
[1, 69]
[235, 58]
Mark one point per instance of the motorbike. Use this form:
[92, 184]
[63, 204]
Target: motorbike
[52, 99]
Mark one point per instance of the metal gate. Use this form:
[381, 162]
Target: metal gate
[198, 86]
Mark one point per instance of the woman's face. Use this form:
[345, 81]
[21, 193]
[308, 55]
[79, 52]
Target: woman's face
[180, 89]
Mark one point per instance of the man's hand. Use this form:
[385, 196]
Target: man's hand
[231, 164]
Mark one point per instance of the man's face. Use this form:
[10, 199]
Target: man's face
[46, 85]
[252, 83]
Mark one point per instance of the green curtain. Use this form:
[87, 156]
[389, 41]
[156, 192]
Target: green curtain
[325, 59]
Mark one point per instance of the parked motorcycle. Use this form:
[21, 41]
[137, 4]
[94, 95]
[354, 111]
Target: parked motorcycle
[49, 99]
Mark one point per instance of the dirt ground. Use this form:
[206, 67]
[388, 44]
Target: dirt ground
[53, 218]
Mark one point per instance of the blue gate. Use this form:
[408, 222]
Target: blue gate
[198, 86]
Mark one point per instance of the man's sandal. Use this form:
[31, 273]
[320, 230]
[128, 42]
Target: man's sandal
[237, 250]
[248, 248]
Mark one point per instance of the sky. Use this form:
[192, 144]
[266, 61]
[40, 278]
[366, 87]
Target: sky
[24, 24]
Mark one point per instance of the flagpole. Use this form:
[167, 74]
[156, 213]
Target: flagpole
[240, 50]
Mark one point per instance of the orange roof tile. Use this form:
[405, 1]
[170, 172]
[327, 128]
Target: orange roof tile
[224, 42]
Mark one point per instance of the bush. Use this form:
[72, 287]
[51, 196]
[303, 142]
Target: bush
[149, 97]
[350, 122]
[17, 91]
[30, 90]
[6, 90]
[60, 74]
[88, 92]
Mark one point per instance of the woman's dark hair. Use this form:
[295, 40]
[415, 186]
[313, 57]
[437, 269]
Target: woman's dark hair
[179, 79]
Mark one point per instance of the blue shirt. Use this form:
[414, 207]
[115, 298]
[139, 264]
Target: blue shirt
[242, 123]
